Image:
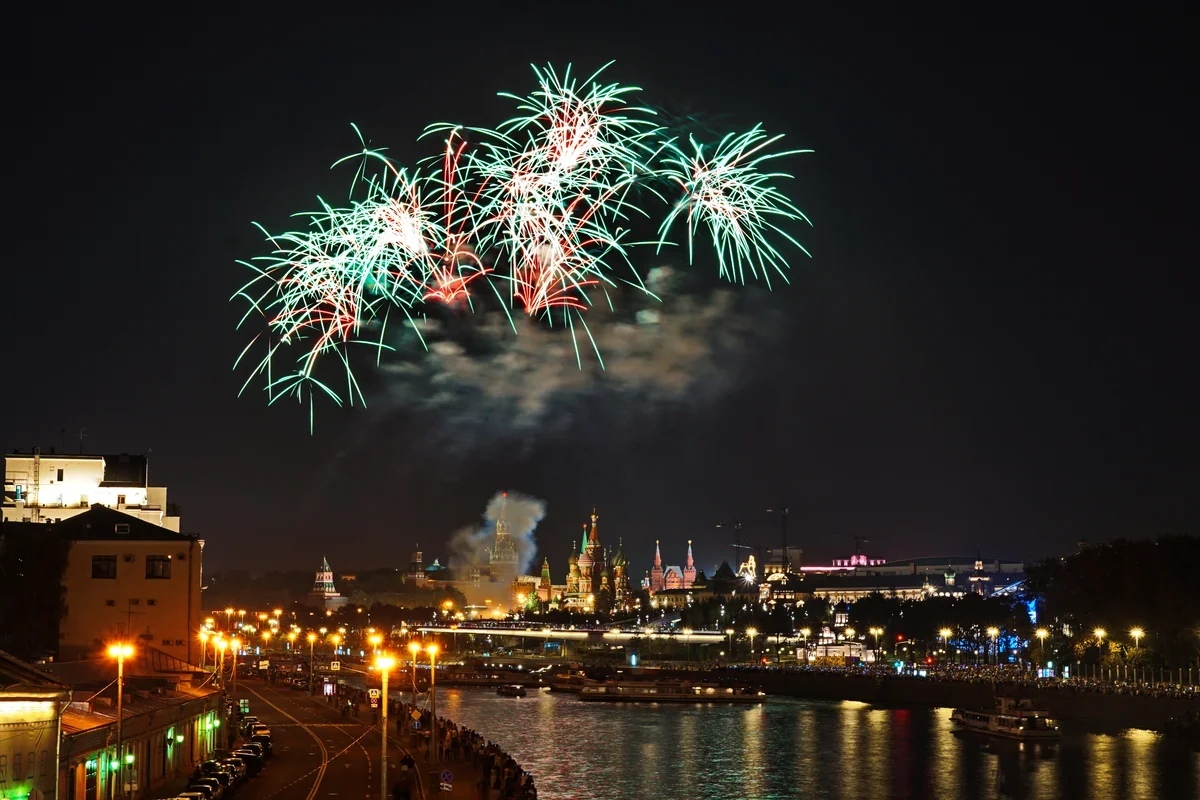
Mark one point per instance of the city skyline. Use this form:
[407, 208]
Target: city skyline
[986, 352]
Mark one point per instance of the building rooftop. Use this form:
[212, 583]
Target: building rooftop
[943, 561]
[19, 678]
[120, 469]
[102, 524]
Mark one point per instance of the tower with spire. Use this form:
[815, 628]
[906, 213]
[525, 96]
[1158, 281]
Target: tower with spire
[689, 570]
[586, 563]
[656, 572]
[502, 557]
[620, 578]
[323, 592]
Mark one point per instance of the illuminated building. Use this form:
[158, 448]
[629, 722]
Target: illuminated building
[169, 723]
[323, 593]
[52, 487]
[31, 704]
[118, 577]
[670, 577]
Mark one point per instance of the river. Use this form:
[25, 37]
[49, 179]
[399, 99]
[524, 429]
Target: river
[812, 749]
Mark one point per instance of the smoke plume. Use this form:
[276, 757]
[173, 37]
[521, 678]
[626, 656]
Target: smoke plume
[469, 546]
[485, 381]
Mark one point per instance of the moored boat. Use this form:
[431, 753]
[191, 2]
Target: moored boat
[1012, 719]
[511, 690]
[668, 692]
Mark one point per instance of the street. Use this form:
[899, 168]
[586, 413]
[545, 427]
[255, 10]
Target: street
[318, 753]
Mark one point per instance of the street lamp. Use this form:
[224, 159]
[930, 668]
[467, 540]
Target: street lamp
[432, 650]
[228, 617]
[876, 632]
[687, 639]
[805, 633]
[1100, 633]
[312, 678]
[946, 633]
[729, 632]
[750, 634]
[203, 648]
[120, 651]
[383, 663]
[993, 633]
[1137, 634]
[235, 644]
[415, 649]
[375, 639]
[1041, 634]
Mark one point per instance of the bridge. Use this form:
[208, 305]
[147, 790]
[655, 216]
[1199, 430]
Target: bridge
[598, 635]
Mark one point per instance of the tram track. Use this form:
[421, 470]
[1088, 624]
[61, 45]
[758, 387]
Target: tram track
[318, 773]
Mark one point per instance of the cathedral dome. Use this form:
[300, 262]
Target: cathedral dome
[618, 560]
[585, 559]
[574, 559]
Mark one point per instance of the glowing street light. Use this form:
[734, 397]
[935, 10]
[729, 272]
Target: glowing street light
[432, 650]
[876, 633]
[120, 651]
[415, 649]
[204, 636]
[750, 634]
[729, 632]
[1137, 634]
[312, 678]
[375, 639]
[383, 663]
[993, 634]
[1041, 634]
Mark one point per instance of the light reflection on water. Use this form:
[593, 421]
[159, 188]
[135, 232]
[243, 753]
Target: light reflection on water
[811, 749]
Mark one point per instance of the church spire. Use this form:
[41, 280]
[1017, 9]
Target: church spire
[595, 537]
[690, 561]
[583, 544]
[657, 555]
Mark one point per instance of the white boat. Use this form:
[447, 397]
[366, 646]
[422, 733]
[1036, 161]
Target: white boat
[668, 692]
[511, 690]
[1012, 719]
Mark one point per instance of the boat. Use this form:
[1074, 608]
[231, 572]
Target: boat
[572, 682]
[511, 690]
[1012, 719]
[668, 692]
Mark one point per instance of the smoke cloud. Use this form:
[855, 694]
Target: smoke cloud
[484, 381]
[469, 546]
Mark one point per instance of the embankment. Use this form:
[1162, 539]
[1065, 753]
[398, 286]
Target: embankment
[1096, 708]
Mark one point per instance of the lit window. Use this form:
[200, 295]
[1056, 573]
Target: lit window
[60, 476]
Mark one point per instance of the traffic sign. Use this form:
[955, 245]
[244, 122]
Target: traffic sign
[416, 724]
[416, 715]
[447, 784]
[374, 702]
[372, 692]
[447, 776]
[334, 666]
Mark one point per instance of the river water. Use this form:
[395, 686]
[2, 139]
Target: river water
[810, 749]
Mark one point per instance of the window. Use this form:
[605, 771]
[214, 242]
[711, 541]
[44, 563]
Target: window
[151, 602]
[20, 492]
[83, 500]
[158, 566]
[120, 499]
[29, 770]
[110, 602]
[179, 642]
[17, 767]
[135, 602]
[42, 763]
[166, 642]
[104, 567]
[60, 476]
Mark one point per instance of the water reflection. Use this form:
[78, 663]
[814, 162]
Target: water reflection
[794, 748]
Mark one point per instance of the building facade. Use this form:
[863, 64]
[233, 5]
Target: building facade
[170, 722]
[670, 577]
[126, 578]
[52, 487]
[31, 706]
[324, 594]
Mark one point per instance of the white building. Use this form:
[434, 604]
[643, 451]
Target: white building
[49, 487]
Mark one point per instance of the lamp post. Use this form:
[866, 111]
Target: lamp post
[312, 639]
[120, 651]
[750, 634]
[1100, 633]
[415, 649]
[383, 663]
[876, 633]
[946, 633]
[687, 640]
[805, 633]
[375, 639]
[203, 648]
[1137, 634]
[221, 644]
[1041, 634]
[235, 644]
[432, 650]
[993, 634]
[729, 632]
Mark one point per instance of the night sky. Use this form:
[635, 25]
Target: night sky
[992, 348]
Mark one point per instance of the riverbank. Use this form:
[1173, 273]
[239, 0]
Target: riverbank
[1091, 705]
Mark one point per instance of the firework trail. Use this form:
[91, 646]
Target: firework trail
[534, 219]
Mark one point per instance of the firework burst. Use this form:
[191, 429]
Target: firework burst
[535, 216]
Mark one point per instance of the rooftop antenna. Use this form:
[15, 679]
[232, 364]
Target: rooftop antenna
[82, 433]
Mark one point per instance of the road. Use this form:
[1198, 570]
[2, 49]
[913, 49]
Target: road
[318, 753]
